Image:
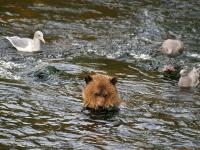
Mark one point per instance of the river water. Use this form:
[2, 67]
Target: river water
[40, 93]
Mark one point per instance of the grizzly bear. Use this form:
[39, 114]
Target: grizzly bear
[100, 92]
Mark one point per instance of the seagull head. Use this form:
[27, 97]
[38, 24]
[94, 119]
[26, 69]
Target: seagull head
[184, 71]
[39, 35]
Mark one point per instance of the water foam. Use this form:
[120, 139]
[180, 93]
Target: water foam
[6, 70]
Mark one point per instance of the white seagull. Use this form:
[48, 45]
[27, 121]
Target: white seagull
[26, 44]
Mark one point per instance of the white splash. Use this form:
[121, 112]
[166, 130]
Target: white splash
[194, 55]
[6, 70]
[141, 56]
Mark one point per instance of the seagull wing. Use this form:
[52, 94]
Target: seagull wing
[19, 42]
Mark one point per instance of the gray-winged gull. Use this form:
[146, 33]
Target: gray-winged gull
[26, 44]
[172, 48]
[188, 78]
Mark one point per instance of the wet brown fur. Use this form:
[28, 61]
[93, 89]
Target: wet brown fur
[100, 91]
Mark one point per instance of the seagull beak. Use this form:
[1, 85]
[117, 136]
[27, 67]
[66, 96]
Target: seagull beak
[42, 39]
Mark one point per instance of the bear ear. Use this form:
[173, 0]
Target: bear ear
[113, 80]
[88, 78]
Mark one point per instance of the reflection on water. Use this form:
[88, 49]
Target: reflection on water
[40, 93]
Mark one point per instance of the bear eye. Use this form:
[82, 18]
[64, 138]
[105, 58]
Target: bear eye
[96, 94]
[106, 95]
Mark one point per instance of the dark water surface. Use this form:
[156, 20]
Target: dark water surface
[40, 93]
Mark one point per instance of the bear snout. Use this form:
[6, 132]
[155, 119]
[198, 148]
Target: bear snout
[100, 101]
